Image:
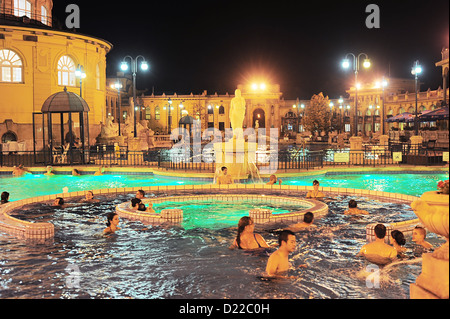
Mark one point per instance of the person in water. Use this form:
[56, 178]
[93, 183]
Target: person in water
[224, 178]
[140, 194]
[58, 202]
[418, 236]
[308, 220]
[397, 240]
[273, 179]
[246, 238]
[354, 210]
[315, 193]
[378, 251]
[5, 198]
[112, 223]
[89, 197]
[278, 263]
[49, 171]
[20, 170]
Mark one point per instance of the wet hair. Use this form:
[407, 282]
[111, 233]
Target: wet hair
[284, 235]
[308, 217]
[398, 237]
[380, 231]
[243, 222]
[135, 201]
[316, 182]
[5, 197]
[352, 203]
[223, 168]
[422, 230]
[142, 207]
[60, 201]
[109, 218]
[141, 192]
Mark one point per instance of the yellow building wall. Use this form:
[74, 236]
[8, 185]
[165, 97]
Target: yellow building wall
[40, 77]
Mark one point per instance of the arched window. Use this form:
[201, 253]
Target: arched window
[148, 113]
[157, 113]
[66, 71]
[22, 8]
[411, 110]
[221, 110]
[10, 67]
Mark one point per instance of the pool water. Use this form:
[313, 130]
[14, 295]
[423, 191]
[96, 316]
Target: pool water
[408, 184]
[143, 261]
[220, 214]
[33, 185]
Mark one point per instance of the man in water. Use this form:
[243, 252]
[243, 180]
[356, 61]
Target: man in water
[378, 251]
[278, 263]
[354, 210]
[308, 219]
[418, 236]
[224, 178]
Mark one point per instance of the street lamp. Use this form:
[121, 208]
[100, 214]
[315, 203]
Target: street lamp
[79, 72]
[169, 121]
[134, 68]
[384, 83]
[416, 70]
[346, 65]
[118, 86]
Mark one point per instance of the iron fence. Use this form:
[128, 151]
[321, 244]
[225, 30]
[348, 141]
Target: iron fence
[280, 161]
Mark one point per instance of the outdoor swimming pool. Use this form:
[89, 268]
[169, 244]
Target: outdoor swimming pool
[33, 185]
[193, 260]
[144, 261]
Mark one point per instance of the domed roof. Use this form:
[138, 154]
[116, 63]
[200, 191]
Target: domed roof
[65, 102]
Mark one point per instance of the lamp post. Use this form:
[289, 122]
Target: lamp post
[79, 72]
[169, 119]
[134, 69]
[118, 86]
[341, 101]
[416, 70]
[346, 65]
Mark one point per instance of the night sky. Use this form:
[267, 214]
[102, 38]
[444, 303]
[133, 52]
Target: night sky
[214, 45]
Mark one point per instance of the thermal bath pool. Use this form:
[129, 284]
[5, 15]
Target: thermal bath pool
[147, 261]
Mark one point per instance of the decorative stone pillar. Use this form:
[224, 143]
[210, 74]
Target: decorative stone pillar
[356, 150]
[433, 282]
[260, 216]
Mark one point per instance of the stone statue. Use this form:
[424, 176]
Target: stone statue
[109, 129]
[237, 114]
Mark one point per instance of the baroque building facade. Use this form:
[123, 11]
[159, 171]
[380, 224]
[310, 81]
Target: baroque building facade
[39, 58]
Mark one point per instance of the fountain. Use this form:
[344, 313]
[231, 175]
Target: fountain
[237, 154]
[433, 282]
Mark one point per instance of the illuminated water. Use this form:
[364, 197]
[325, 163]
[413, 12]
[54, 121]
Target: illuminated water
[220, 214]
[38, 185]
[193, 261]
[142, 261]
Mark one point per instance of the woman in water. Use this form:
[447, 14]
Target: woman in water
[246, 239]
[315, 193]
[398, 240]
[113, 221]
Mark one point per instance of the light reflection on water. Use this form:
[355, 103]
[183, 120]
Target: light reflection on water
[143, 261]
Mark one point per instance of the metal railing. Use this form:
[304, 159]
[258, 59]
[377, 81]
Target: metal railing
[281, 161]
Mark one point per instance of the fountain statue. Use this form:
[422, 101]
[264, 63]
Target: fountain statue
[109, 133]
[237, 154]
[237, 114]
[433, 282]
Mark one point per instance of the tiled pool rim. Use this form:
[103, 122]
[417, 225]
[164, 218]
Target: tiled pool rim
[42, 231]
[260, 216]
